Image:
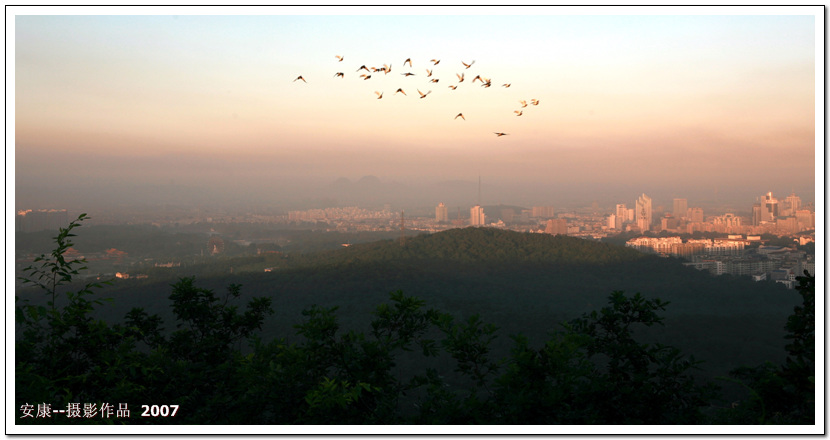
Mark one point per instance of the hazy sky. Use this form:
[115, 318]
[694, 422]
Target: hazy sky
[654, 99]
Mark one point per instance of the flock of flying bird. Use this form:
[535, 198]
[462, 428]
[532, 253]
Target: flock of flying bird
[386, 69]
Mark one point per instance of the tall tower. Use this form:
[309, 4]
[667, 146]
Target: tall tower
[680, 207]
[769, 208]
[441, 214]
[642, 212]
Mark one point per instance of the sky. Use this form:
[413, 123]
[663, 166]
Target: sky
[671, 102]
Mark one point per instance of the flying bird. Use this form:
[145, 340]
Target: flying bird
[380, 94]
[487, 84]
[468, 65]
[517, 112]
[423, 95]
[340, 74]
[453, 87]
[362, 68]
[300, 77]
[408, 74]
[400, 90]
[435, 62]
[523, 103]
[460, 77]
[434, 80]
[339, 57]
[534, 101]
[462, 116]
[500, 134]
[505, 85]
[429, 73]
[365, 76]
[408, 61]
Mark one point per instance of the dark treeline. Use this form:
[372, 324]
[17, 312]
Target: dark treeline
[407, 359]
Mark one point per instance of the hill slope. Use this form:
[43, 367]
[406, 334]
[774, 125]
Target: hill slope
[523, 283]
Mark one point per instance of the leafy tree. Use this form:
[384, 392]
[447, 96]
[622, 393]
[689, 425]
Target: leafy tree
[594, 371]
[782, 394]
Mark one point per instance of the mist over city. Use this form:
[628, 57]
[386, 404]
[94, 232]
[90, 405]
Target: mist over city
[431, 216]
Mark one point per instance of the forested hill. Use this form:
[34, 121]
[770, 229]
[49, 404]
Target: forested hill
[483, 245]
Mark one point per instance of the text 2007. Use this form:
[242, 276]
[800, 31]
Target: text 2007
[159, 410]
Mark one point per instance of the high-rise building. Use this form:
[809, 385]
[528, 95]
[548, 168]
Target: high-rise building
[477, 216]
[643, 213]
[557, 226]
[680, 207]
[441, 213]
[791, 204]
[769, 208]
[756, 214]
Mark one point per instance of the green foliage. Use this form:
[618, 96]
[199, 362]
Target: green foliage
[595, 371]
[782, 394]
[411, 365]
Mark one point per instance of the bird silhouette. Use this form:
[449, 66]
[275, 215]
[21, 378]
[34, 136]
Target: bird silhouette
[300, 77]
[434, 80]
[517, 112]
[340, 74]
[498, 134]
[505, 85]
[339, 57]
[408, 61]
[400, 90]
[523, 103]
[453, 87]
[534, 101]
[478, 77]
[363, 67]
[462, 116]
[460, 77]
[468, 65]
[435, 62]
[380, 94]
[365, 76]
[408, 74]
[429, 73]
[487, 84]
[423, 95]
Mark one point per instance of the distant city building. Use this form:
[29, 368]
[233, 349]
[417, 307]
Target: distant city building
[507, 215]
[729, 223]
[441, 213]
[643, 212]
[806, 219]
[41, 220]
[477, 216]
[769, 208]
[695, 215]
[668, 223]
[543, 212]
[612, 222]
[679, 208]
[557, 226]
[756, 214]
[791, 204]
[622, 213]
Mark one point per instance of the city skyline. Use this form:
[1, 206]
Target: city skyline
[690, 102]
